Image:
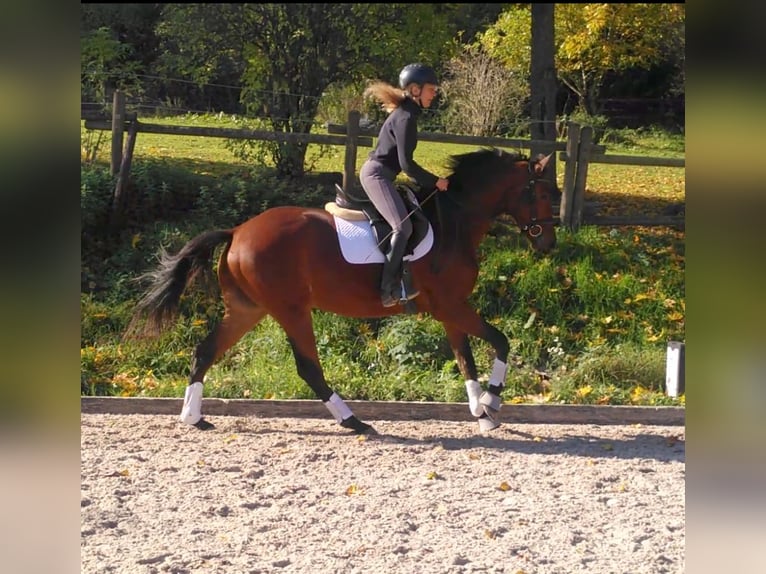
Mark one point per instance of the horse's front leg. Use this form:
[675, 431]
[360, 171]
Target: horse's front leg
[483, 404]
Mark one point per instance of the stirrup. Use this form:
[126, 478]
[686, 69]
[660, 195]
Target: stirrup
[408, 296]
[408, 290]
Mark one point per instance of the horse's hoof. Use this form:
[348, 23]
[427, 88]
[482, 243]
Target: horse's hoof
[487, 424]
[357, 426]
[202, 424]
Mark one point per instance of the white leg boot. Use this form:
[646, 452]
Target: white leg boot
[473, 389]
[490, 404]
[191, 413]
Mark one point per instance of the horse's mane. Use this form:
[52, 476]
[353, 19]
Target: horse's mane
[473, 170]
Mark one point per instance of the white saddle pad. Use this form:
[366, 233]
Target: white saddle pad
[357, 242]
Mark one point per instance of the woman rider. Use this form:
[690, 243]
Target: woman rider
[396, 143]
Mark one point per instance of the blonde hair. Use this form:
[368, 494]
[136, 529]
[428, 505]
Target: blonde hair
[389, 97]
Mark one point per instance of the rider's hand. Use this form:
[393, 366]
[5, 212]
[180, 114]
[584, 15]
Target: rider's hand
[442, 184]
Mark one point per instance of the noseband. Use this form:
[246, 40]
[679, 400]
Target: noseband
[529, 195]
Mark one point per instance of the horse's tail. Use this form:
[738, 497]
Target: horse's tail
[158, 308]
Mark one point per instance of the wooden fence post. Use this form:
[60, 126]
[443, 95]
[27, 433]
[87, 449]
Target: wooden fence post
[118, 127]
[349, 167]
[118, 200]
[578, 197]
[570, 170]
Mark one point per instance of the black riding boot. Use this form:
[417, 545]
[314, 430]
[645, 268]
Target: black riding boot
[391, 282]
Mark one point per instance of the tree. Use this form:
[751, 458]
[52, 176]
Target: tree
[105, 65]
[543, 77]
[593, 39]
[286, 55]
[590, 40]
[117, 45]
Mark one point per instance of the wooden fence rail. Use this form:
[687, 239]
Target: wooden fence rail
[576, 153]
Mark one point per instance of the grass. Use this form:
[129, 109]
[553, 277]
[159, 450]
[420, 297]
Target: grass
[588, 324]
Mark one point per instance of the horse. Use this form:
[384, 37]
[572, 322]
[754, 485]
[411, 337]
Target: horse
[287, 261]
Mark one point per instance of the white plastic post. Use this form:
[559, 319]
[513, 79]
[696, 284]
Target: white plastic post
[674, 369]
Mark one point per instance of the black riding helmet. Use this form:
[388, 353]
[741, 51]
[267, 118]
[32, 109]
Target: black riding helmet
[417, 74]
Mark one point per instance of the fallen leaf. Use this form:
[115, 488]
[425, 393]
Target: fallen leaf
[504, 486]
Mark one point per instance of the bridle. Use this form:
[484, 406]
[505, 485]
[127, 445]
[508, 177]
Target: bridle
[529, 196]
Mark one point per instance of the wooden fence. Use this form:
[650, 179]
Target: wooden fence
[576, 153]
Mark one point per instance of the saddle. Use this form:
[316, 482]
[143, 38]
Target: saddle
[358, 201]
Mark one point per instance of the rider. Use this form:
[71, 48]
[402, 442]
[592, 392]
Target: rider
[397, 140]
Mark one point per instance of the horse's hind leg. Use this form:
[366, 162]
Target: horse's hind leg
[300, 334]
[235, 323]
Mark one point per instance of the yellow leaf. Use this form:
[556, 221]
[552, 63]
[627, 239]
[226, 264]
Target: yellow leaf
[537, 439]
[583, 392]
[606, 320]
[353, 489]
[135, 241]
[432, 475]
[676, 316]
[504, 486]
[124, 472]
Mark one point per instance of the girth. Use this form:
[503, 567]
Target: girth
[358, 201]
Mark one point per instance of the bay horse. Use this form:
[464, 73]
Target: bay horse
[286, 261]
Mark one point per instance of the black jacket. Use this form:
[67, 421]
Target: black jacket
[397, 141]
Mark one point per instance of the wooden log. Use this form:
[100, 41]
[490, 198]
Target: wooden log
[349, 165]
[234, 133]
[637, 220]
[470, 140]
[638, 160]
[570, 170]
[117, 127]
[616, 159]
[393, 410]
[118, 200]
[581, 177]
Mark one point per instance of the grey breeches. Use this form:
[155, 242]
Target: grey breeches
[377, 181]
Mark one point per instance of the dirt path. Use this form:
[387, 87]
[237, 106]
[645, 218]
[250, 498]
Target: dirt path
[259, 495]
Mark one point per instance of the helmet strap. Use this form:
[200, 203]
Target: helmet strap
[416, 97]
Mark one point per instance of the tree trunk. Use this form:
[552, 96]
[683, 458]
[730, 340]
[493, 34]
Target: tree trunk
[543, 80]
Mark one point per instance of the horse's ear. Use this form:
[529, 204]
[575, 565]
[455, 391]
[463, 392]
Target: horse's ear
[541, 162]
